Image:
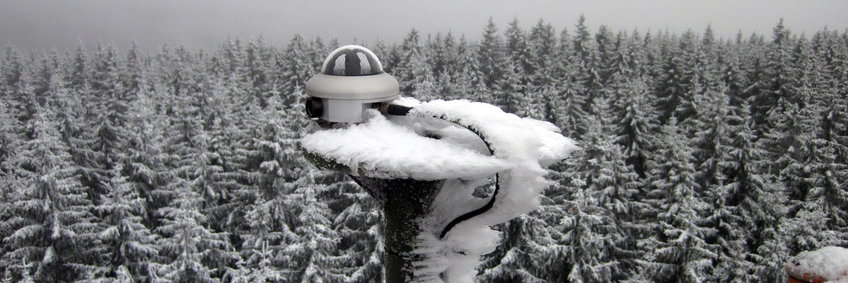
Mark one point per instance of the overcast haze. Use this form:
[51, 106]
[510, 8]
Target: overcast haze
[62, 24]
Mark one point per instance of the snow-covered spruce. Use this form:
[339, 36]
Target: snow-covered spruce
[403, 147]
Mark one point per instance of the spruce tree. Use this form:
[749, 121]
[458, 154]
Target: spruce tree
[129, 244]
[469, 79]
[680, 82]
[584, 237]
[680, 252]
[298, 69]
[746, 217]
[189, 246]
[491, 56]
[587, 75]
[614, 186]
[524, 254]
[144, 166]
[358, 227]
[312, 258]
[778, 79]
[53, 226]
[569, 98]
[541, 44]
[635, 124]
[102, 138]
[193, 247]
[511, 93]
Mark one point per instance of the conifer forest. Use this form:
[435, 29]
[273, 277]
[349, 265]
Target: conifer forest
[704, 158]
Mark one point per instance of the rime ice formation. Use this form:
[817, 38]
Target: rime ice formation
[828, 264]
[385, 149]
[422, 147]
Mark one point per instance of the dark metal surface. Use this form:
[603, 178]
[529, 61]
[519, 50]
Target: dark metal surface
[404, 203]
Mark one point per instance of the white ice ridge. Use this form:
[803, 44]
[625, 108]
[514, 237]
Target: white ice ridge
[527, 145]
[828, 264]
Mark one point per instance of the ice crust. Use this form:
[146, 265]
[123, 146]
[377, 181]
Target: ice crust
[398, 148]
[829, 264]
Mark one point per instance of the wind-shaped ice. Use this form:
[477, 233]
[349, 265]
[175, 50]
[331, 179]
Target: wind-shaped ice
[441, 140]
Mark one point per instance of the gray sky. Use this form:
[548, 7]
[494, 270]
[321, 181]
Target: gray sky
[43, 24]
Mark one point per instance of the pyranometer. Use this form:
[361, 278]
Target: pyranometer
[351, 80]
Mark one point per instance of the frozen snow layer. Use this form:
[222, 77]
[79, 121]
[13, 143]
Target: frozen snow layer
[828, 264]
[388, 149]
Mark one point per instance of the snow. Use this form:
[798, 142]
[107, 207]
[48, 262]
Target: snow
[829, 264]
[384, 149]
[398, 147]
[527, 145]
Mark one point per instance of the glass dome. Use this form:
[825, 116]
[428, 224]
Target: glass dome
[352, 60]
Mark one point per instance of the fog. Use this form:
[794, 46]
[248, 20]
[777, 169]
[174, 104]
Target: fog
[44, 25]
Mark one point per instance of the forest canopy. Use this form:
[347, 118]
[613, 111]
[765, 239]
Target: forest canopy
[704, 158]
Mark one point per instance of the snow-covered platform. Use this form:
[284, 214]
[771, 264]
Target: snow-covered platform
[402, 149]
[410, 147]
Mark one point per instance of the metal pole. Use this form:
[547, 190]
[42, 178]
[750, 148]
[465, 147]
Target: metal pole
[404, 203]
